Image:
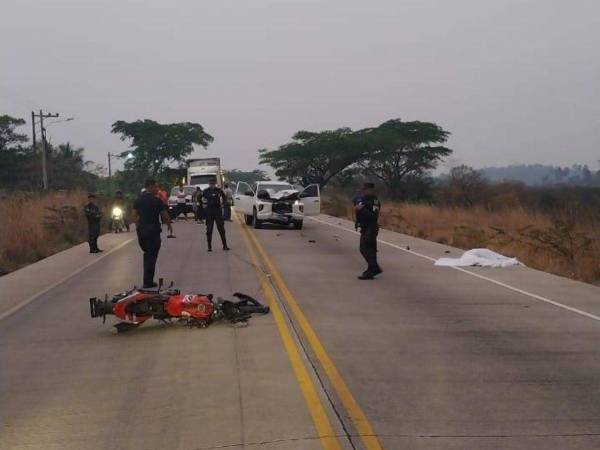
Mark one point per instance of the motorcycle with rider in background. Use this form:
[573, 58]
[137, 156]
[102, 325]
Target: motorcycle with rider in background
[118, 213]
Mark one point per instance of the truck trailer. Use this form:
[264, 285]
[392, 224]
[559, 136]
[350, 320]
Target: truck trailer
[201, 170]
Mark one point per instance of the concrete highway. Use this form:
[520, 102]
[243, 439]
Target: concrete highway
[421, 358]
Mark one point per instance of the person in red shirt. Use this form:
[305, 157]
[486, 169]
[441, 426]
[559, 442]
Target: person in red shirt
[162, 195]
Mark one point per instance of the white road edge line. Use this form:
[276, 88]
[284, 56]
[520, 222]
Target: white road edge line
[35, 296]
[476, 275]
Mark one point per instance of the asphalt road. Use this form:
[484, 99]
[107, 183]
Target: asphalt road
[421, 358]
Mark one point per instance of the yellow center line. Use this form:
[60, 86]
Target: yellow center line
[364, 428]
[327, 436]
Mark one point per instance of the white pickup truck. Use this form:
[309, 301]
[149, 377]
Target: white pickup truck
[276, 202]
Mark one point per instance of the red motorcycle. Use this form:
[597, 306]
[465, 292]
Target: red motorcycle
[136, 306]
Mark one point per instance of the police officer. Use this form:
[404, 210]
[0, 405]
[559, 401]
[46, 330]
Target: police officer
[367, 217]
[197, 200]
[93, 216]
[147, 210]
[213, 199]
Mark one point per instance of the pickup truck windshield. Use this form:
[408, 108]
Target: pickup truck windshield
[275, 187]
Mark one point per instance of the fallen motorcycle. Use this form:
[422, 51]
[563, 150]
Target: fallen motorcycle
[136, 306]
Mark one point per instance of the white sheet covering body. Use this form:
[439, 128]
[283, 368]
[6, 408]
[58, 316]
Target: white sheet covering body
[481, 257]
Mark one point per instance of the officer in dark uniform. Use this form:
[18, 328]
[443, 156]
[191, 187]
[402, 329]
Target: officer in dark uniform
[213, 199]
[147, 210]
[367, 216]
[197, 200]
[93, 216]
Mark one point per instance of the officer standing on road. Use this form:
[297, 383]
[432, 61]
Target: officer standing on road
[213, 199]
[367, 217]
[147, 210]
[197, 201]
[93, 216]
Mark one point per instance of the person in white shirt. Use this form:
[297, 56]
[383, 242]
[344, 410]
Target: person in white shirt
[181, 208]
[227, 206]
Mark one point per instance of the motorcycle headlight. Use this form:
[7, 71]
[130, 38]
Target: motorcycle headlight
[118, 212]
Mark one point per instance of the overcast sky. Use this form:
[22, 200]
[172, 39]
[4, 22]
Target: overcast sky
[514, 81]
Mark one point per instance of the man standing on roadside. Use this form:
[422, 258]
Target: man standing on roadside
[227, 207]
[181, 206]
[197, 201]
[367, 217]
[93, 216]
[213, 199]
[147, 210]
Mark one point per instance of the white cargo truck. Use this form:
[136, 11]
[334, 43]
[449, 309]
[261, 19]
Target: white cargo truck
[200, 170]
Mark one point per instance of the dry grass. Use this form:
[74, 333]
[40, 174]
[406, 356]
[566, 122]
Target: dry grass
[560, 244]
[35, 226]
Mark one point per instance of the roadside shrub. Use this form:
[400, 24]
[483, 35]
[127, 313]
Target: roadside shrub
[37, 225]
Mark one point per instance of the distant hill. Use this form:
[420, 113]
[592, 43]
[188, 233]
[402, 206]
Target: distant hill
[534, 174]
[539, 174]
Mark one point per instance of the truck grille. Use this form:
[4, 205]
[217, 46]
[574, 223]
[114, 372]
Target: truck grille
[282, 208]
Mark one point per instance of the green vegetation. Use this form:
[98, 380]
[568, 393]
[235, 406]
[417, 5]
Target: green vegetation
[395, 153]
[20, 163]
[236, 175]
[155, 146]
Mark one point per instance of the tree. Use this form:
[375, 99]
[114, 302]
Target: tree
[313, 157]
[465, 186]
[16, 159]
[396, 150]
[154, 145]
[67, 168]
[236, 175]
[9, 138]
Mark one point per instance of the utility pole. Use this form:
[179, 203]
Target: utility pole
[109, 170]
[33, 131]
[42, 116]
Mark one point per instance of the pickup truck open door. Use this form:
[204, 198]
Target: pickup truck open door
[311, 198]
[243, 198]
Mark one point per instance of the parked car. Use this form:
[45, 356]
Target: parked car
[172, 202]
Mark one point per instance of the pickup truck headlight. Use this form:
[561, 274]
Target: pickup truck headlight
[261, 207]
